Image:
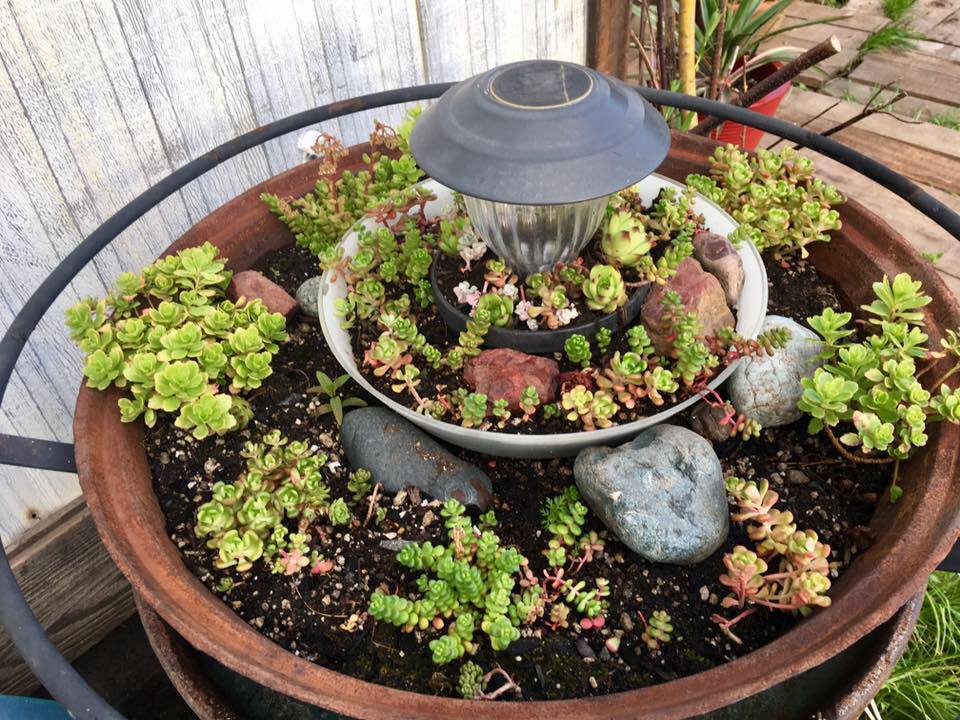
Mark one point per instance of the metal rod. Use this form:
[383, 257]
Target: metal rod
[34, 453]
[52, 669]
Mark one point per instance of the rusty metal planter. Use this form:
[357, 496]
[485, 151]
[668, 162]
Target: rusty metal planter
[912, 535]
[839, 689]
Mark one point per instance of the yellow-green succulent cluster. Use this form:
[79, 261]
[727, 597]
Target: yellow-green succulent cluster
[170, 337]
[874, 384]
[245, 520]
[774, 196]
[468, 586]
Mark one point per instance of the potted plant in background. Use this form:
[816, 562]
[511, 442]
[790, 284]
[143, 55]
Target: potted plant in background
[732, 51]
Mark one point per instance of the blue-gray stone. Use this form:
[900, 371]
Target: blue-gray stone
[662, 494]
[399, 455]
[308, 297]
[768, 388]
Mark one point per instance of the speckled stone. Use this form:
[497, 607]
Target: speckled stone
[662, 494]
[767, 389]
[308, 297]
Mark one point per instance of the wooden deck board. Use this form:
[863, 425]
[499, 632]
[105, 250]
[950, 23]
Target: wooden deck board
[72, 586]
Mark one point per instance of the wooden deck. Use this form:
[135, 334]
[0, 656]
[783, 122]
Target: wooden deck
[929, 74]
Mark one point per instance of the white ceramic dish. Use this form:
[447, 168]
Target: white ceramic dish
[750, 313]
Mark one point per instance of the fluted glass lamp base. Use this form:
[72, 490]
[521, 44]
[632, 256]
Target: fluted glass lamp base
[535, 238]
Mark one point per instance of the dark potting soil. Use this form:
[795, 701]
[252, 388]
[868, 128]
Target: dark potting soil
[311, 614]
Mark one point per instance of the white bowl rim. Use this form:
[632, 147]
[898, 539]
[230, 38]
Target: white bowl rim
[549, 442]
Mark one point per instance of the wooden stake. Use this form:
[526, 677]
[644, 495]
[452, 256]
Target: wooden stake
[714, 92]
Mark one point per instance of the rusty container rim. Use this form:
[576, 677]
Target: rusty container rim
[923, 526]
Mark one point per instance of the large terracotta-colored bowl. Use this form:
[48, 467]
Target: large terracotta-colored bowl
[912, 535]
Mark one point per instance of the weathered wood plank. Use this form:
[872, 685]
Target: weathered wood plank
[923, 76]
[925, 152]
[72, 586]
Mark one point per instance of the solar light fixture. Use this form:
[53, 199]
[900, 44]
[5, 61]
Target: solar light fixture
[536, 148]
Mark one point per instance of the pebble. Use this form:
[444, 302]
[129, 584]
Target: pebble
[308, 297]
[626, 622]
[797, 477]
[585, 650]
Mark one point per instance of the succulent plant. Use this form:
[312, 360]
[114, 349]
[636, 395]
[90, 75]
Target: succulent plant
[577, 349]
[166, 353]
[207, 414]
[625, 377]
[624, 241]
[659, 630]
[474, 410]
[603, 338]
[359, 483]
[744, 576]
[338, 512]
[499, 308]
[592, 409]
[471, 581]
[472, 337]
[529, 400]
[604, 289]
[773, 196]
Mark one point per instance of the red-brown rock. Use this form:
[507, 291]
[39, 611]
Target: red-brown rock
[718, 256]
[504, 373]
[252, 284]
[700, 292]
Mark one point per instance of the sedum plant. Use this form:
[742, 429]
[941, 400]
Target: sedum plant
[801, 579]
[171, 338]
[319, 220]
[245, 520]
[625, 242]
[604, 289]
[774, 197]
[577, 349]
[873, 386]
[467, 586]
[498, 307]
[593, 409]
[563, 517]
[658, 630]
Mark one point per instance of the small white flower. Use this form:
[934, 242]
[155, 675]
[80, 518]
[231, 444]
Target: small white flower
[473, 252]
[565, 315]
[467, 294]
[522, 311]
[510, 290]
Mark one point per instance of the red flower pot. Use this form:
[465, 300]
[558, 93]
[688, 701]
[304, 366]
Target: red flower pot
[747, 137]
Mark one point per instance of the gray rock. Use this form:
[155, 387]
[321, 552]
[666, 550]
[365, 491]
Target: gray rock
[767, 389]
[308, 297]
[662, 494]
[399, 455]
[707, 421]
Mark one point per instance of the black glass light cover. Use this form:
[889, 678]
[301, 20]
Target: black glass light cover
[536, 147]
